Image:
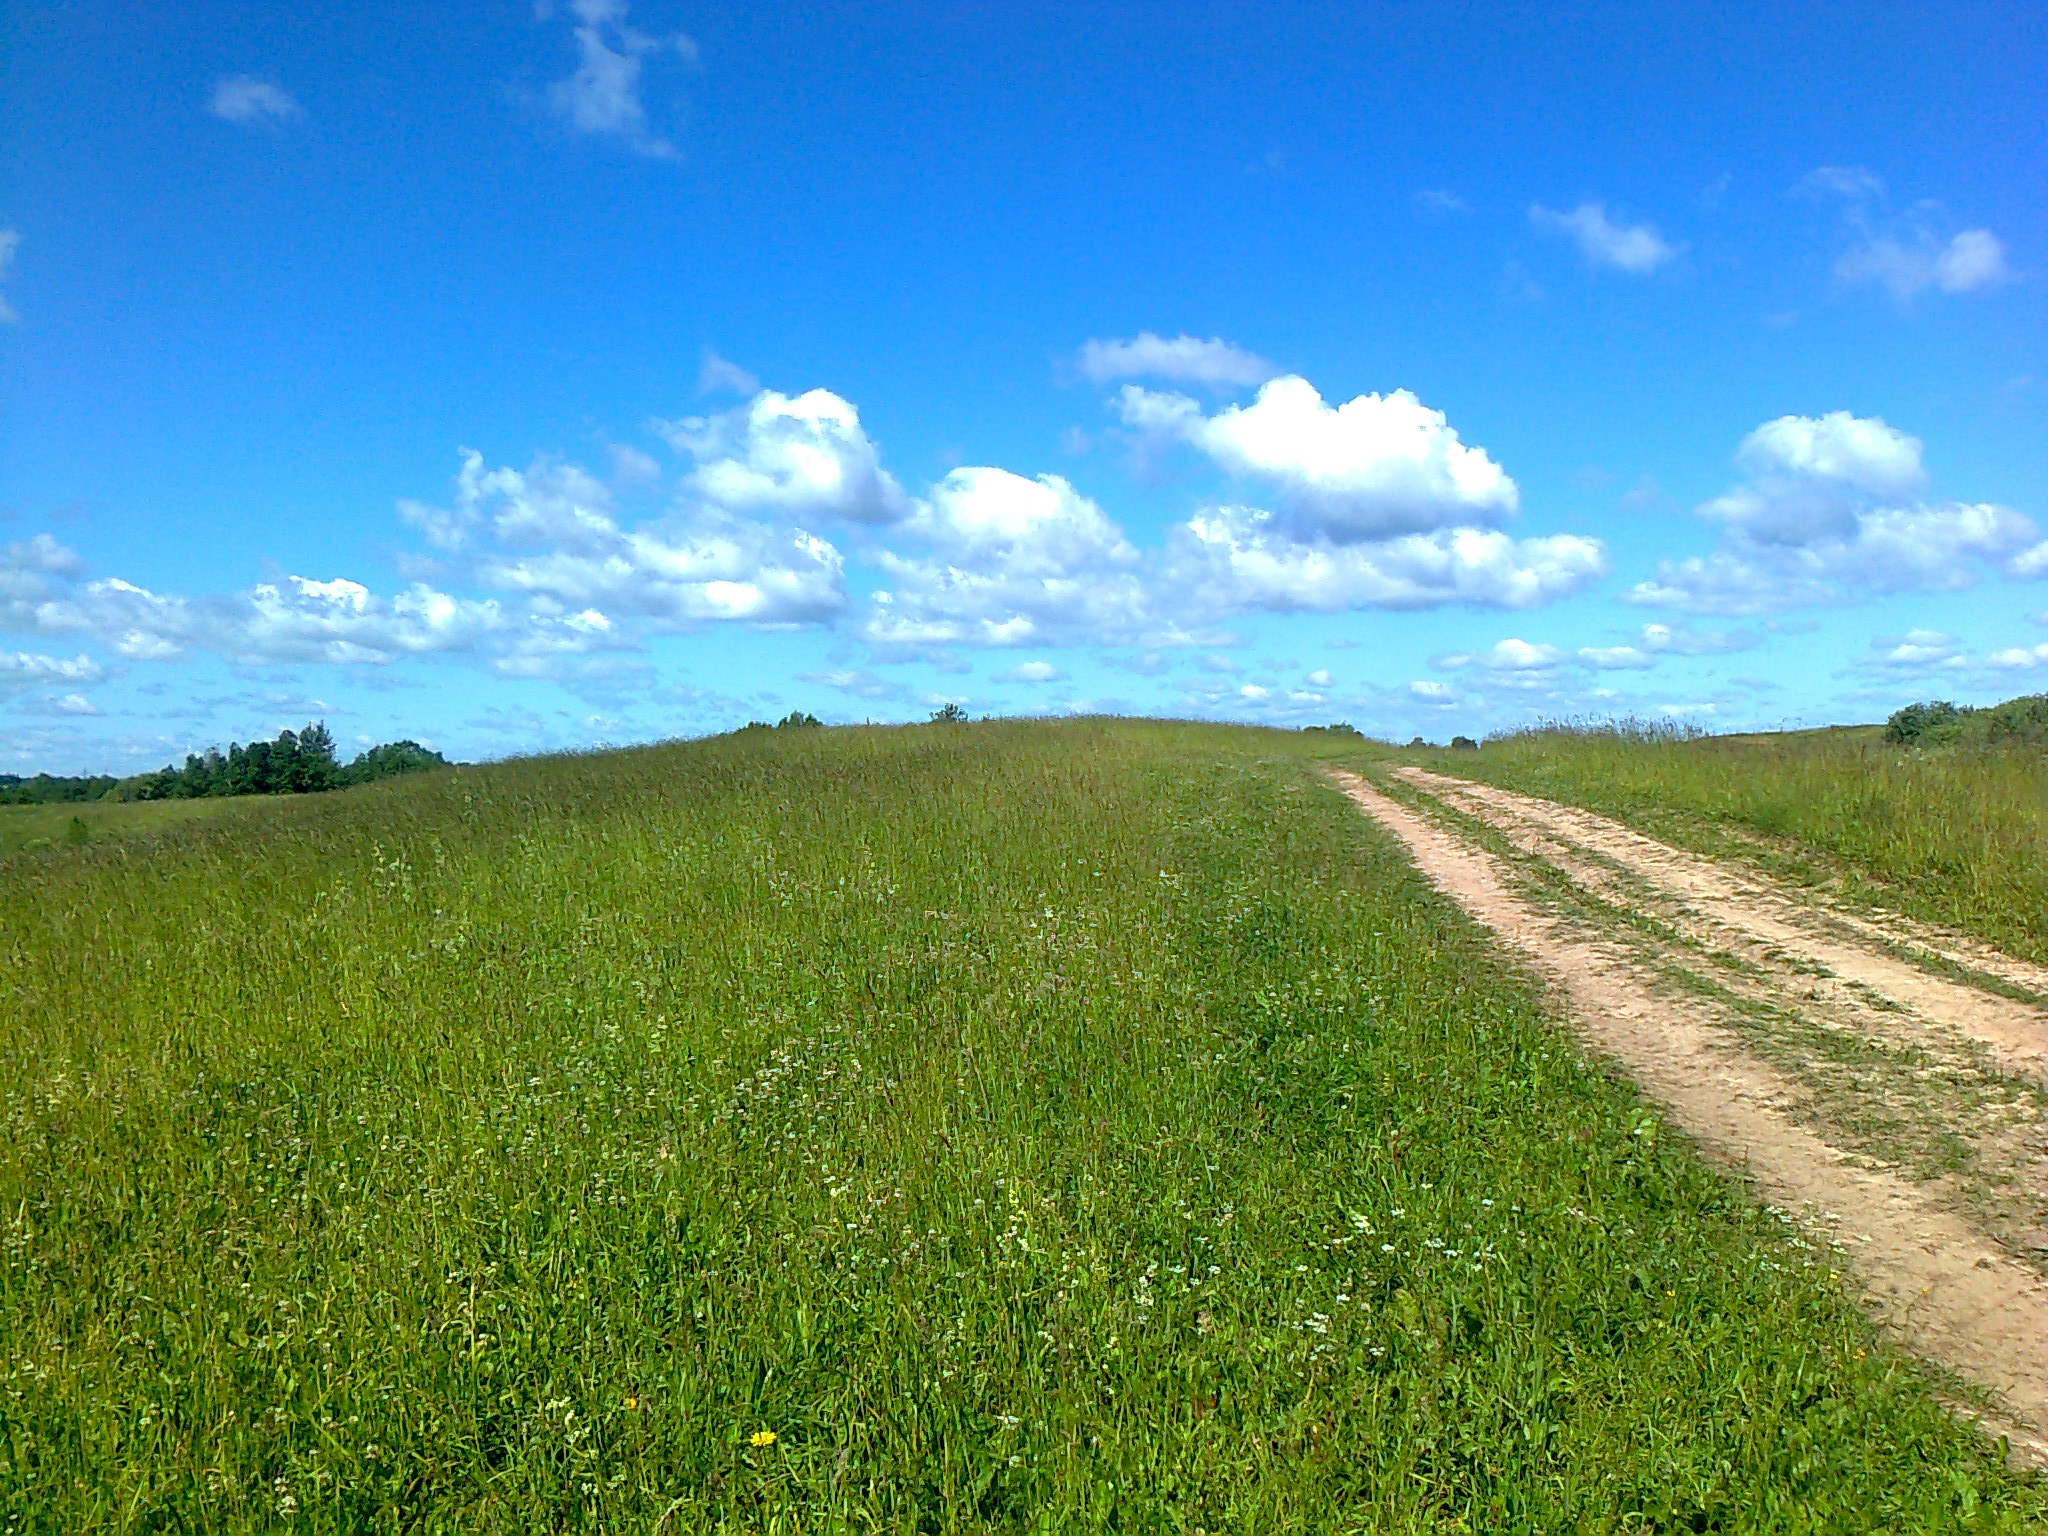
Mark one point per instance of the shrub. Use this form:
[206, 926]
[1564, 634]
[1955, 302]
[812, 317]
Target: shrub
[1931, 724]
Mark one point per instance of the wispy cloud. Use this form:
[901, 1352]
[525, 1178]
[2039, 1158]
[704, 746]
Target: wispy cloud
[251, 101]
[1906, 253]
[10, 241]
[1637, 249]
[22, 670]
[1184, 359]
[602, 96]
[717, 376]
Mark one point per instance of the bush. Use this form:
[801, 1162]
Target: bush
[1931, 724]
[390, 760]
[2021, 722]
[2018, 722]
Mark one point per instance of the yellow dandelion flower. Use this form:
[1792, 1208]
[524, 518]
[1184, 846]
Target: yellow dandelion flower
[762, 1439]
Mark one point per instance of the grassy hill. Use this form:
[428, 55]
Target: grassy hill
[1013, 1127]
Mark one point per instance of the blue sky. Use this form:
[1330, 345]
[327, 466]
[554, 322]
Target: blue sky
[515, 378]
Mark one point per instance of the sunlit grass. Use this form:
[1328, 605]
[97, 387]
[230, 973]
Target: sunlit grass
[1956, 835]
[1027, 1127]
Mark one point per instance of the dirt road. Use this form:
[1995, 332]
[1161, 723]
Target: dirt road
[1860, 1070]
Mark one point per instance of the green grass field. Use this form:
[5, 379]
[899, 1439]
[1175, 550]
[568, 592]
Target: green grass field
[36, 827]
[1955, 835]
[1013, 1127]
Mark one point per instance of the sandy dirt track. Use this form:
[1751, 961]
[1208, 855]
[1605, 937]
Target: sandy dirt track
[1953, 1293]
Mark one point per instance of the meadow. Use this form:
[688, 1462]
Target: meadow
[1020, 1127]
[1953, 834]
[35, 827]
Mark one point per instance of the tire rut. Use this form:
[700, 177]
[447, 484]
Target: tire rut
[1773, 917]
[1950, 1294]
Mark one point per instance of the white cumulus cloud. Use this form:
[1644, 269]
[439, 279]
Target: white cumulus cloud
[803, 457]
[1830, 510]
[43, 591]
[1227, 559]
[1008, 561]
[558, 540]
[1031, 672]
[1373, 467]
[1632, 248]
[1183, 359]
[22, 670]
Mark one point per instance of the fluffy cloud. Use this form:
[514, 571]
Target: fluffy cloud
[247, 100]
[859, 682]
[1375, 467]
[558, 541]
[1031, 672]
[1184, 359]
[1908, 253]
[1511, 663]
[10, 241]
[804, 458]
[1829, 511]
[1633, 248]
[1609, 658]
[298, 619]
[1680, 640]
[1227, 559]
[603, 95]
[2018, 657]
[1907, 265]
[1008, 561]
[22, 670]
[1917, 650]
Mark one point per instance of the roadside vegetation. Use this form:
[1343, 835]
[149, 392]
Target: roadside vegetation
[1943, 814]
[1015, 1127]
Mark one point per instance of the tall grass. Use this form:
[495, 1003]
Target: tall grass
[1012, 1127]
[1957, 834]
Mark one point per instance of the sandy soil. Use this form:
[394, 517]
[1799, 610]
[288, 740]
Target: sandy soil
[1791, 921]
[1950, 1292]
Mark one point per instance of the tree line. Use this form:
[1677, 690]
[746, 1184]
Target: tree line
[297, 763]
[2021, 722]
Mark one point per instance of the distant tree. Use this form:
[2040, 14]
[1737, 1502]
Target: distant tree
[1418, 742]
[49, 789]
[390, 760]
[1464, 744]
[797, 720]
[2018, 722]
[297, 763]
[1930, 724]
[2021, 722]
[950, 714]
